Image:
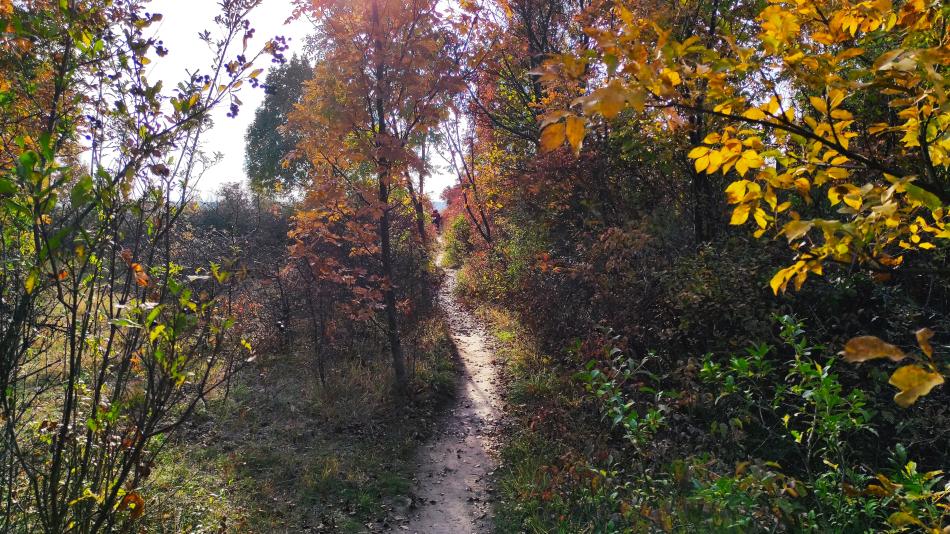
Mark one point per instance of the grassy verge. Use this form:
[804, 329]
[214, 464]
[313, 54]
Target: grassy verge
[281, 453]
[543, 482]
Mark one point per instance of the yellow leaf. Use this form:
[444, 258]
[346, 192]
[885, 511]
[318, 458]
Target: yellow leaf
[574, 129]
[750, 159]
[838, 173]
[819, 104]
[770, 197]
[552, 136]
[854, 200]
[914, 382]
[903, 519]
[698, 152]
[780, 281]
[157, 331]
[841, 114]
[671, 76]
[609, 100]
[701, 163]
[715, 160]
[863, 348]
[736, 191]
[794, 58]
[30, 283]
[836, 96]
[923, 339]
[760, 218]
[796, 229]
[849, 53]
[755, 114]
[803, 185]
[836, 193]
[740, 215]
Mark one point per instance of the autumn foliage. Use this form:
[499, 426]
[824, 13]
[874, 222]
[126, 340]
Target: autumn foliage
[710, 237]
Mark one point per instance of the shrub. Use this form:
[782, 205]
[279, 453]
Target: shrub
[458, 242]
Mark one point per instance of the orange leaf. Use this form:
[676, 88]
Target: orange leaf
[863, 348]
[552, 136]
[141, 279]
[574, 129]
[134, 503]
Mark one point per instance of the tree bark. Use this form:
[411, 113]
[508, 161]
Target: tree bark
[389, 292]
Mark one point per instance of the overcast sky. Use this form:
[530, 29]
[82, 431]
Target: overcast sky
[179, 28]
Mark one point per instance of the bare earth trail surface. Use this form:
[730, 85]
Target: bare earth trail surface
[453, 474]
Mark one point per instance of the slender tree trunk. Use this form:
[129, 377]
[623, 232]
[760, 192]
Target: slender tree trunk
[318, 327]
[702, 203]
[383, 176]
[317, 330]
[389, 292]
[483, 227]
[420, 215]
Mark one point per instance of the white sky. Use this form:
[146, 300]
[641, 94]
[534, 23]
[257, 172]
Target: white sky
[179, 28]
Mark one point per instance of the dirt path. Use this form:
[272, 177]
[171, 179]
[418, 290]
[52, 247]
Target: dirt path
[453, 480]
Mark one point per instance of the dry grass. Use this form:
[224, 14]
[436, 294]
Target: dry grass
[284, 454]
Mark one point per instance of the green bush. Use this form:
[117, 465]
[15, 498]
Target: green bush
[790, 440]
[458, 242]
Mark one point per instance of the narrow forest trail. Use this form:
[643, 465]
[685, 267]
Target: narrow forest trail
[453, 473]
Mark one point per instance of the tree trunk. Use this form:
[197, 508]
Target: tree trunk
[389, 292]
[383, 176]
[703, 202]
[420, 214]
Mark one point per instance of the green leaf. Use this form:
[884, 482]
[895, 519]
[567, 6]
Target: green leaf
[153, 314]
[128, 323]
[81, 190]
[923, 196]
[7, 187]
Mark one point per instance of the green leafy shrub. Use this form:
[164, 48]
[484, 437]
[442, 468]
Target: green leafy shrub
[458, 242]
[771, 438]
[609, 382]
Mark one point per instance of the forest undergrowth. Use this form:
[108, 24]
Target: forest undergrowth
[281, 453]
